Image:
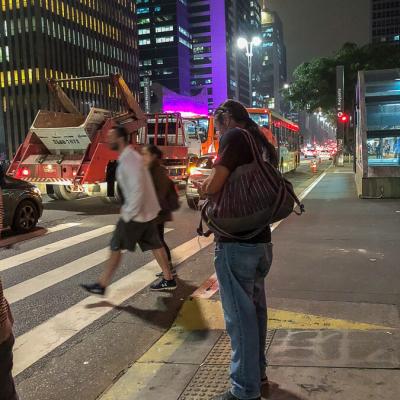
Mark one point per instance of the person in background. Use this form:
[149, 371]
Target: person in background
[137, 224]
[152, 157]
[7, 386]
[242, 265]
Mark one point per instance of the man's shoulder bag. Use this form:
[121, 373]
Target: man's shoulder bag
[254, 196]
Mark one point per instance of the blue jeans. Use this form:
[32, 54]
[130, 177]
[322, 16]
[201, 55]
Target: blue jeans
[241, 270]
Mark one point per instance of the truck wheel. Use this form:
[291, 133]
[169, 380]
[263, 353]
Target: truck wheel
[64, 193]
[115, 198]
[26, 217]
[192, 203]
[50, 192]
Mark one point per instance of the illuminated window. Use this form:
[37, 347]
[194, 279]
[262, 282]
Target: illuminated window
[144, 42]
[167, 28]
[165, 39]
[144, 31]
[143, 10]
[143, 21]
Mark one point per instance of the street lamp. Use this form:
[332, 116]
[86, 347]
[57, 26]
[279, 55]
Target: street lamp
[244, 44]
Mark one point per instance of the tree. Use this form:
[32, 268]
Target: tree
[314, 84]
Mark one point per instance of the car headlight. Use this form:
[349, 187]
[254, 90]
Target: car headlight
[37, 191]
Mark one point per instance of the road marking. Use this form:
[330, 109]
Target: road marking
[307, 191]
[198, 315]
[206, 314]
[31, 255]
[61, 227]
[38, 232]
[44, 338]
[41, 282]
[207, 289]
[38, 283]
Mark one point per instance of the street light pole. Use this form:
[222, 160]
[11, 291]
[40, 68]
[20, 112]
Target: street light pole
[244, 44]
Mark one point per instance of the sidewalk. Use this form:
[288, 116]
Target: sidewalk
[334, 299]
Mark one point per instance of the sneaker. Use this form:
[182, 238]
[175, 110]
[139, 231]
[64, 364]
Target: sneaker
[229, 396]
[94, 288]
[163, 285]
[161, 274]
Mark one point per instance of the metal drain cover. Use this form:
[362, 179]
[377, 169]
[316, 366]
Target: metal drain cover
[212, 377]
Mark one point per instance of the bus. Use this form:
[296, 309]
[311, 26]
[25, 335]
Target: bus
[281, 132]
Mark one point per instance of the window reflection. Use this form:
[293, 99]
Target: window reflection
[384, 151]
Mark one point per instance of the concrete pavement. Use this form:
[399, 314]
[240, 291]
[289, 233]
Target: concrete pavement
[334, 303]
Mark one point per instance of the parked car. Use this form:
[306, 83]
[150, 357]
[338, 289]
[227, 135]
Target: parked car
[22, 204]
[197, 174]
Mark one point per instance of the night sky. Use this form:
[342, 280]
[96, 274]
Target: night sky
[314, 28]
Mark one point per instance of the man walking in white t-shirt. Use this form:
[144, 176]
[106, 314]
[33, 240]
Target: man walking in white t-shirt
[138, 213]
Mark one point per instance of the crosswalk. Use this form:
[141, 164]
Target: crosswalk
[47, 336]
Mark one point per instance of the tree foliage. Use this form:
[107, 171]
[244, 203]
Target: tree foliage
[314, 84]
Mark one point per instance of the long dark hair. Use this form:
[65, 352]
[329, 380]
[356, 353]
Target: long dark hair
[240, 115]
[154, 150]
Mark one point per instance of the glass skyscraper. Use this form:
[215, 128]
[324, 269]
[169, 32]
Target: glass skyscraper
[385, 25]
[41, 39]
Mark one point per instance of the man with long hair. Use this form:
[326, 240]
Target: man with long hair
[242, 265]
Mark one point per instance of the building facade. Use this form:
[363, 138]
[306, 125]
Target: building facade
[273, 62]
[42, 39]
[165, 46]
[385, 24]
[217, 63]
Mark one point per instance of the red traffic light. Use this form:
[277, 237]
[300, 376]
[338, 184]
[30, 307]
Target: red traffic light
[343, 118]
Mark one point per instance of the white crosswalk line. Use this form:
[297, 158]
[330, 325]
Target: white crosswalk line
[38, 283]
[61, 227]
[31, 255]
[41, 282]
[41, 340]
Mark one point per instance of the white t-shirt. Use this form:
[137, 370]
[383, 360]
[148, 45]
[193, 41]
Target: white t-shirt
[134, 179]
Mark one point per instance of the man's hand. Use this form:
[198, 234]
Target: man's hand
[215, 182]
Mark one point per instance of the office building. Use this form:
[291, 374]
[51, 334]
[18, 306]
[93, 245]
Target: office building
[165, 43]
[385, 21]
[218, 64]
[41, 39]
[273, 63]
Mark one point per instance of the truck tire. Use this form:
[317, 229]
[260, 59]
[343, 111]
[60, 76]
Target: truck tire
[50, 192]
[25, 217]
[64, 193]
[116, 197]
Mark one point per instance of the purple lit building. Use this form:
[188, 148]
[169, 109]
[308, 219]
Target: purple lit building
[189, 46]
[164, 43]
[217, 64]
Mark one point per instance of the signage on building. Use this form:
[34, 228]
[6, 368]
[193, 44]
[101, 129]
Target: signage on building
[147, 95]
[340, 88]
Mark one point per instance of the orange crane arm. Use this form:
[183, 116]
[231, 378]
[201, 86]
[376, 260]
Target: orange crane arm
[62, 98]
[129, 100]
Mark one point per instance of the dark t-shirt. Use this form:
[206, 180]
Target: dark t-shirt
[234, 151]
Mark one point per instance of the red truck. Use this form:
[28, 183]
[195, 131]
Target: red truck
[67, 151]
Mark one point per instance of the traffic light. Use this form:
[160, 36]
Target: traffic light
[342, 117]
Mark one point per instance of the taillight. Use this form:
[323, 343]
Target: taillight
[25, 172]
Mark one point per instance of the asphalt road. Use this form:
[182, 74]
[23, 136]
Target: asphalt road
[69, 345]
